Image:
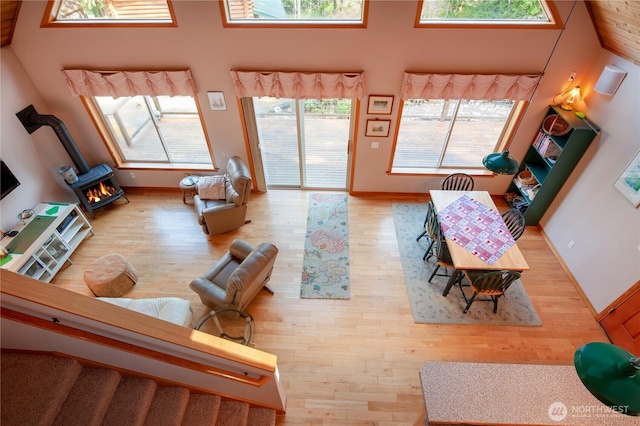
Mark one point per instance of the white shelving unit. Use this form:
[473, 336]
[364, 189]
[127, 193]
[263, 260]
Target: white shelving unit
[46, 240]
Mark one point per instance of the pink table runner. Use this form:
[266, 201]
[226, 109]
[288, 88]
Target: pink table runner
[477, 228]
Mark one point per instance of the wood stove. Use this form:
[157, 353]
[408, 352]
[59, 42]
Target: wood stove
[96, 186]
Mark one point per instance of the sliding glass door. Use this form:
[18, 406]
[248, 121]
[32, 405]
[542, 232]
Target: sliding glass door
[304, 143]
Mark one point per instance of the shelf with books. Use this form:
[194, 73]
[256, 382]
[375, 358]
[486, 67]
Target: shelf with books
[555, 150]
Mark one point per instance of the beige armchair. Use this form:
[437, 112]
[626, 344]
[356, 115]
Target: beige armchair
[237, 277]
[218, 216]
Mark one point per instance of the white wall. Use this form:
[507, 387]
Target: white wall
[388, 47]
[589, 210]
[35, 158]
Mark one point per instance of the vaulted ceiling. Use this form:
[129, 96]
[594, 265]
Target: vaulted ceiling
[617, 23]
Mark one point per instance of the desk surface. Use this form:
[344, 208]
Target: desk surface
[511, 394]
[512, 259]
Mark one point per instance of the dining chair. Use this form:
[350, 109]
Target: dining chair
[514, 219]
[458, 182]
[432, 226]
[491, 284]
[443, 256]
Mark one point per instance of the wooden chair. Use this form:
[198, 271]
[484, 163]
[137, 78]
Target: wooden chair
[458, 182]
[514, 219]
[492, 284]
[443, 257]
[431, 228]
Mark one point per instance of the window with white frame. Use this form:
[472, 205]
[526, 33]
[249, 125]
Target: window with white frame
[154, 130]
[109, 12]
[294, 13]
[511, 13]
[150, 118]
[438, 134]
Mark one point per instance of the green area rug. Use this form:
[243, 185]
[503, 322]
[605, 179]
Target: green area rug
[325, 267]
[426, 300]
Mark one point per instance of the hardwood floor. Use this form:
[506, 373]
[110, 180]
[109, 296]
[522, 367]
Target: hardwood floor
[342, 362]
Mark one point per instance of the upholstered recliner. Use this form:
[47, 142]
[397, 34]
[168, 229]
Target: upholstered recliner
[237, 277]
[221, 215]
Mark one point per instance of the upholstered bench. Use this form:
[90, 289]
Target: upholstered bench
[172, 309]
[111, 276]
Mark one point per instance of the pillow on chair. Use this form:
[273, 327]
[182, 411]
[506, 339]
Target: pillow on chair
[212, 187]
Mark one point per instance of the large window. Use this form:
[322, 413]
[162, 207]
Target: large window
[486, 12]
[439, 134]
[294, 13]
[154, 130]
[109, 12]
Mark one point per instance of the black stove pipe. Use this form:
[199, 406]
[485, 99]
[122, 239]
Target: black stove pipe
[32, 121]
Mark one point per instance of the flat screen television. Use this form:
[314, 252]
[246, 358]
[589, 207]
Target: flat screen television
[8, 181]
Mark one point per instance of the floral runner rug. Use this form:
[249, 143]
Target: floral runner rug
[325, 267]
[428, 305]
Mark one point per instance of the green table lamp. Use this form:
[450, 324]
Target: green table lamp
[611, 374]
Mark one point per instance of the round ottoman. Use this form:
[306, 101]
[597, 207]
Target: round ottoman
[110, 276]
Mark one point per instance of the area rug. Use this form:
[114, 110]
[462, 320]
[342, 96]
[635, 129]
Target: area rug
[325, 267]
[426, 300]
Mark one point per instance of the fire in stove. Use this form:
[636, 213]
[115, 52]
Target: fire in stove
[100, 192]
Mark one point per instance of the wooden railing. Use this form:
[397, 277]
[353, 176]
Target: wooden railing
[43, 317]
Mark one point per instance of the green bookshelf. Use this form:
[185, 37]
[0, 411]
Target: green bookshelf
[551, 158]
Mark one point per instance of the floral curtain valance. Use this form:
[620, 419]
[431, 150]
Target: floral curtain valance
[130, 83]
[468, 86]
[298, 85]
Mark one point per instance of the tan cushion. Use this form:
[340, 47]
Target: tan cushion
[111, 276]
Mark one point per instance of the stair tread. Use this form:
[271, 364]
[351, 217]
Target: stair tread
[168, 406]
[89, 398]
[130, 402]
[202, 410]
[34, 387]
[233, 413]
[259, 416]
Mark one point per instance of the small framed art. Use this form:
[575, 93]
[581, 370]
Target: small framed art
[216, 101]
[380, 104]
[629, 181]
[378, 128]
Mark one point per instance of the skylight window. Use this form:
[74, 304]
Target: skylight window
[485, 13]
[109, 12]
[294, 13]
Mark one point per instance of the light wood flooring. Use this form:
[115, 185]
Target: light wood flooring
[342, 362]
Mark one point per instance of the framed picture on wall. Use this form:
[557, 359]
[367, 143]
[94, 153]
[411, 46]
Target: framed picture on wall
[629, 181]
[216, 101]
[380, 104]
[378, 128]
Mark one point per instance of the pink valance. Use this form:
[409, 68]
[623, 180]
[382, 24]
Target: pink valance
[130, 83]
[468, 86]
[298, 85]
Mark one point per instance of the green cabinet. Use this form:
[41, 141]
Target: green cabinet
[554, 152]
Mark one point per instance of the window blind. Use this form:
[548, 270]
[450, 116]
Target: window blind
[130, 83]
[298, 85]
[468, 86]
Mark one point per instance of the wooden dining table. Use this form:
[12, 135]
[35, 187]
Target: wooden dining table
[511, 260]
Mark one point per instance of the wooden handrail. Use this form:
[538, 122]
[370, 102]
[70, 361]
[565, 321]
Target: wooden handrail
[30, 290]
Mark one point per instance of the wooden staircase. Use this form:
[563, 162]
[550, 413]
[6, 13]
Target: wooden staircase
[42, 389]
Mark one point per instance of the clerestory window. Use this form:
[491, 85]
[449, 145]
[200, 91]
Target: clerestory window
[294, 13]
[108, 12]
[494, 13]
